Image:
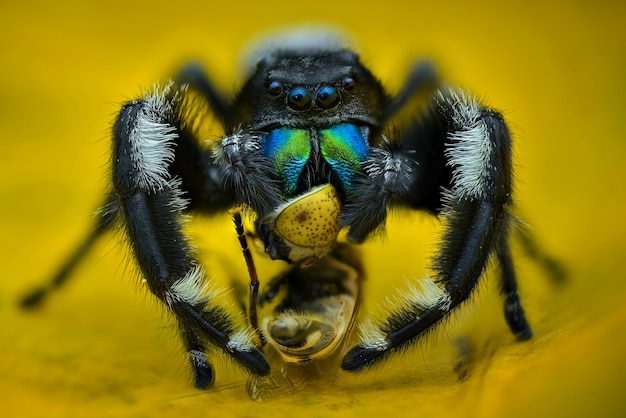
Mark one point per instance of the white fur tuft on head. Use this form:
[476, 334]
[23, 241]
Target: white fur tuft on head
[303, 40]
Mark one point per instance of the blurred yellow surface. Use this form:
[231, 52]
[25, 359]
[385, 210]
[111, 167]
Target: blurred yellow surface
[102, 347]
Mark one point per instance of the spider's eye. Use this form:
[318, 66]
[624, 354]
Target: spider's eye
[299, 99]
[327, 97]
[348, 83]
[275, 88]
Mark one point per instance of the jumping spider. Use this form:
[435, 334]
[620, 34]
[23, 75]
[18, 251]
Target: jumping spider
[308, 148]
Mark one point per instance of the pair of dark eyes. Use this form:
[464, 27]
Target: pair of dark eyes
[299, 98]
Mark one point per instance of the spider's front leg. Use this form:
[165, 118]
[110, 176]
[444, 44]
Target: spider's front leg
[455, 161]
[159, 173]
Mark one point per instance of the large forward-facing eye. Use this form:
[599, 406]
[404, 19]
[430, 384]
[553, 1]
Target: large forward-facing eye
[299, 99]
[327, 97]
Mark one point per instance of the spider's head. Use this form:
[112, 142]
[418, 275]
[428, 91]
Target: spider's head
[309, 86]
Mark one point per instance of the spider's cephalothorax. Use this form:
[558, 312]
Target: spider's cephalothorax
[308, 147]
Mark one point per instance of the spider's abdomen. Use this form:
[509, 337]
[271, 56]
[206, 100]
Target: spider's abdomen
[303, 158]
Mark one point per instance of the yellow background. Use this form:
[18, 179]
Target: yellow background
[101, 347]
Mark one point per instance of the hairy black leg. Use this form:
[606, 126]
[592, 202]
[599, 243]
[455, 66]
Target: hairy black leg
[552, 266]
[422, 76]
[203, 372]
[106, 219]
[200, 180]
[468, 244]
[513, 311]
[152, 203]
[196, 77]
[477, 151]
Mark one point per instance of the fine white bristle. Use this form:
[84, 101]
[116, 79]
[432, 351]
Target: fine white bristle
[469, 149]
[152, 139]
[303, 39]
[242, 340]
[192, 288]
[425, 296]
[371, 336]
